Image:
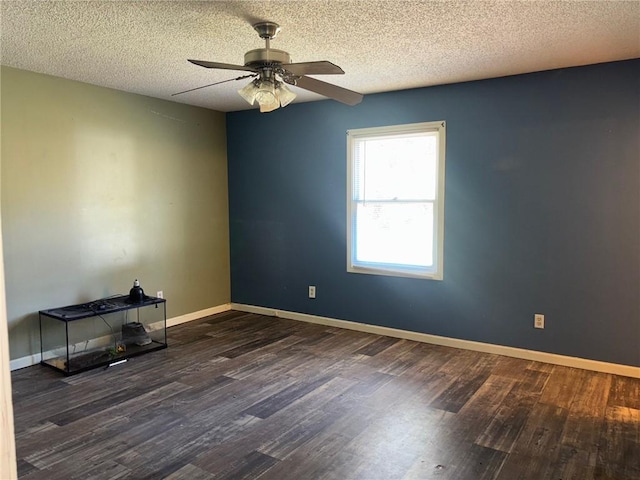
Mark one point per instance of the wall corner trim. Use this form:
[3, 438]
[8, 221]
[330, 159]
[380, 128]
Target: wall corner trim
[553, 358]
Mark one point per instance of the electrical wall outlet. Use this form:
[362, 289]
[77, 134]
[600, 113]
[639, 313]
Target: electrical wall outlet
[312, 291]
[538, 320]
[160, 294]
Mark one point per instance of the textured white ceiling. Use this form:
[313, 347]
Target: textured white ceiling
[382, 45]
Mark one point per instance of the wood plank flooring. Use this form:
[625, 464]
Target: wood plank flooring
[243, 396]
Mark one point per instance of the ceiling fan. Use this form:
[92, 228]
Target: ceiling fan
[272, 69]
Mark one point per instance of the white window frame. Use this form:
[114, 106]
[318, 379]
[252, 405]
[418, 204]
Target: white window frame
[353, 137]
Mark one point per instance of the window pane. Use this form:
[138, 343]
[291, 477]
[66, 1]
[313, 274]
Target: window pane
[395, 233]
[402, 167]
[395, 200]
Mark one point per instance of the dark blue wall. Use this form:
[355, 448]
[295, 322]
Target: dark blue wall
[542, 212]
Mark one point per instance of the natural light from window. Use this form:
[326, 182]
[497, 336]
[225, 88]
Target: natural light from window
[395, 200]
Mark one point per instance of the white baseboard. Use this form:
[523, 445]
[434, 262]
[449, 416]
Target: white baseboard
[576, 362]
[34, 359]
[23, 362]
[189, 317]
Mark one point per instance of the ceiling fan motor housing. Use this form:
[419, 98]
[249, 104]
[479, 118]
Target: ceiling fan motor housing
[265, 57]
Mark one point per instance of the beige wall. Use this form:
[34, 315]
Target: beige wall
[100, 187]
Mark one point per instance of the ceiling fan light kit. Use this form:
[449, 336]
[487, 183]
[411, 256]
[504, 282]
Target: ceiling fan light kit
[269, 95]
[267, 91]
[273, 70]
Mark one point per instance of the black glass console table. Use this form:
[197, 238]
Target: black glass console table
[104, 332]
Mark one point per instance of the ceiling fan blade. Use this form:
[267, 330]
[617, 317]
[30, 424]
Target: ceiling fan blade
[212, 84]
[313, 68]
[328, 90]
[223, 66]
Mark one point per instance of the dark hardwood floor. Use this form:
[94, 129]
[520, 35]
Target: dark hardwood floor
[243, 396]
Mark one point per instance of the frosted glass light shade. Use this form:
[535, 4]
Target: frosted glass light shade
[266, 94]
[286, 96]
[248, 92]
[269, 107]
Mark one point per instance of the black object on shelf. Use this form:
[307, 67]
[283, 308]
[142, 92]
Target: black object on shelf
[136, 294]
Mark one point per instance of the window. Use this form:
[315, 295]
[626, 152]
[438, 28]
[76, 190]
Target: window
[395, 200]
